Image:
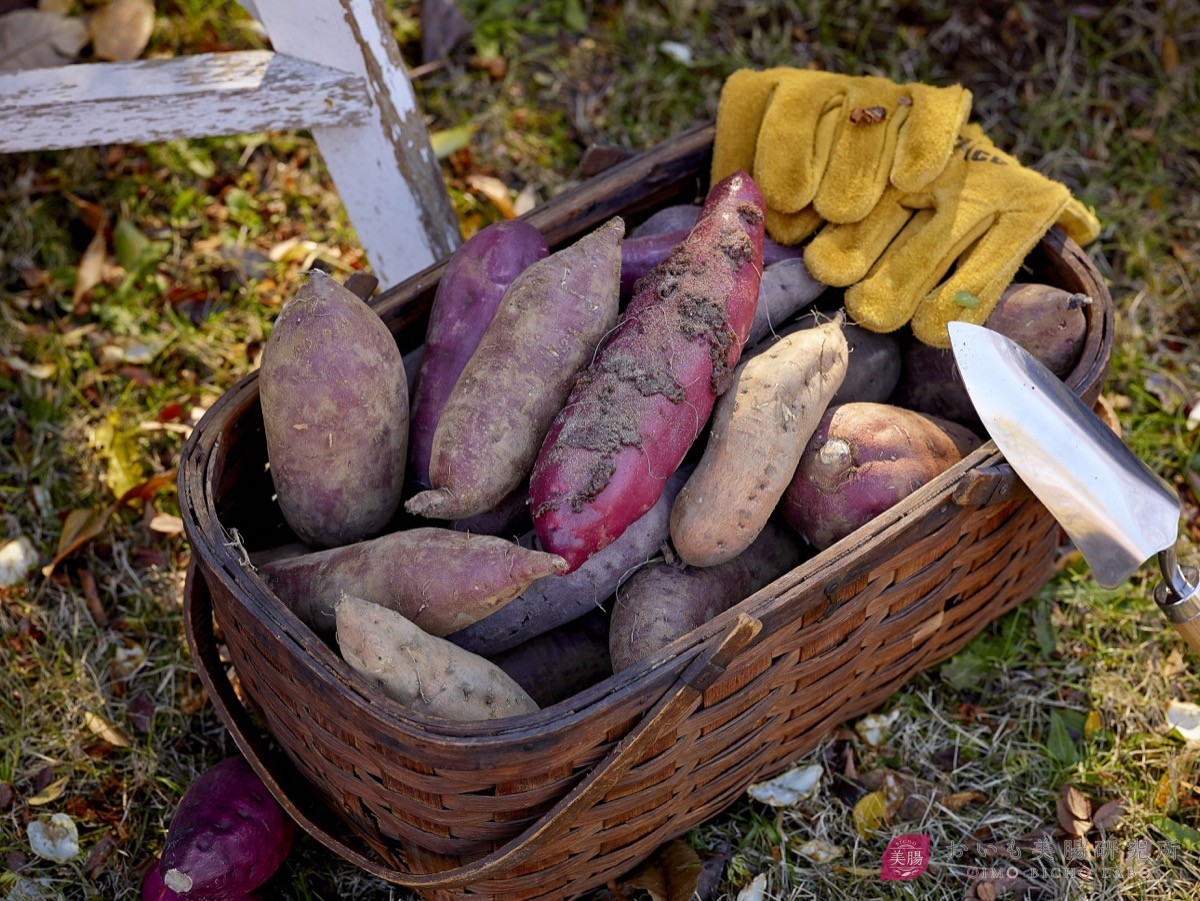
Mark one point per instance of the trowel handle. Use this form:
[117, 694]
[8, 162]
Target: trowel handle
[1179, 597]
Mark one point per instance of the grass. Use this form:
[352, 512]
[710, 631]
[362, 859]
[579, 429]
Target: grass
[98, 393]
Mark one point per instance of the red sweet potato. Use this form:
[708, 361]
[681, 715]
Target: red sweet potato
[440, 579]
[335, 411]
[634, 413]
[863, 459]
[562, 662]
[466, 301]
[661, 602]
[558, 599]
[545, 331]
[1048, 322]
[228, 836]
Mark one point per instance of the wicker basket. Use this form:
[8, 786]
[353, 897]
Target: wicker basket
[554, 803]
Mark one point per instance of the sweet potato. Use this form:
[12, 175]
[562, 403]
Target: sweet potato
[545, 331]
[632, 416]
[680, 217]
[470, 291]
[509, 516]
[661, 602]
[785, 289]
[562, 662]
[439, 579]
[759, 430]
[422, 671]
[640, 255]
[873, 366]
[335, 411]
[228, 836]
[1048, 322]
[555, 600]
[863, 459]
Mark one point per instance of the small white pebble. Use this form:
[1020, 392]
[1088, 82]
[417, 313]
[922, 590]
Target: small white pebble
[17, 557]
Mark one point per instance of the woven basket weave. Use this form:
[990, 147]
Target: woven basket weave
[551, 804]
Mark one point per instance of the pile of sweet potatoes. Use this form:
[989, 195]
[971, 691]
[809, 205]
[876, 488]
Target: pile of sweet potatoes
[607, 446]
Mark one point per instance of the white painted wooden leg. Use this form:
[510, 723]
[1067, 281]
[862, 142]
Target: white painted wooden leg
[384, 168]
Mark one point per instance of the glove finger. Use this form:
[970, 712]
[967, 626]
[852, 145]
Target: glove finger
[798, 129]
[1079, 222]
[983, 272]
[842, 254]
[860, 160]
[928, 136]
[792, 228]
[915, 262]
[744, 98]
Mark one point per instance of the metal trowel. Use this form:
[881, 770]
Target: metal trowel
[1116, 510]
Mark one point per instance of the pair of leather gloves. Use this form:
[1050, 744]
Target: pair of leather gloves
[904, 188]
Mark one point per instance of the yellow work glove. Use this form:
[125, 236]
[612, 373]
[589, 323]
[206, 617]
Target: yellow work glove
[985, 212]
[832, 141]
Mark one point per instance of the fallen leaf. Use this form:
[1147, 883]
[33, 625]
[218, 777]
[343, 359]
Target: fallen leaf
[129, 244]
[873, 727]
[670, 875]
[6, 795]
[992, 888]
[149, 488]
[1108, 815]
[100, 853]
[494, 190]
[80, 527]
[126, 661]
[959, 800]
[819, 851]
[870, 813]
[54, 838]
[443, 27]
[1093, 724]
[526, 200]
[1184, 718]
[167, 524]
[141, 714]
[712, 870]
[107, 730]
[1059, 743]
[49, 794]
[121, 30]
[785, 790]
[124, 471]
[39, 371]
[1186, 836]
[91, 267]
[37, 39]
[1164, 793]
[1170, 55]
[17, 557]
[1168, 388]
[451, 140]
[756, 890]
[1074, 811]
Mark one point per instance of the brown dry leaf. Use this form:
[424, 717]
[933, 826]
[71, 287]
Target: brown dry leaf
[1108, 414]
[1108, 816]
[1170, 55]
[80, 527]
[1164, 794]
[1074, 811]
[166, 524]
[147, 489]
[959, 800]
[992, 889]
[106, 730]
[494, 190]
[51, 792]
[121, 30]
[100, 853]
[870, 813]
[526, 200]
[670, 875]
[91, 267]
[37, 39]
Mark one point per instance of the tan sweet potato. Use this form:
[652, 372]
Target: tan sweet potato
[440, 579]
[422, 671]
[759, 430]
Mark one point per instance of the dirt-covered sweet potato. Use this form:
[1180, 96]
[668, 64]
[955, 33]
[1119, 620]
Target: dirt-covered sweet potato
[468, 295]
[335, 410]
[228, 836]
[544, 332]
[1048, 322]
[634, 413]
[440, 579]
[558, 599]
[863, 459]
[759, 430]
[422, 671]
[562, 662]
[661, 602]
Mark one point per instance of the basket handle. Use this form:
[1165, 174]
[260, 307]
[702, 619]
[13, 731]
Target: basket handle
[675, 705]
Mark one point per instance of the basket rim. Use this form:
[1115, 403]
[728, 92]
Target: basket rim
[210, 542]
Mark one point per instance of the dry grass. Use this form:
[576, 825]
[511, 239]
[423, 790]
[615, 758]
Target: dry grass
[1105, 99]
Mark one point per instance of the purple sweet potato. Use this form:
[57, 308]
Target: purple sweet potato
[466, 301]
[154, 889]
[507, 517]
[562, 662]
[556, 600]
[228, 836]
[634, 413]
[440, 579]
[640, 255]
[422, 671]
[335, 410]
[545, 331]
[661, 602]
[681, 217]
[873, 366]
[863, 459]
[785, 289]
[758, 432]
[1048, 322]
